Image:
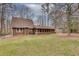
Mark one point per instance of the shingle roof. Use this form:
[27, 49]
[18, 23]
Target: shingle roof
[21, 22]
[43, 27]
[24, 23]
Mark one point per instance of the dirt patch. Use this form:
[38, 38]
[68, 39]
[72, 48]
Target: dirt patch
[73, 36]
[7, 37]
[10, 37]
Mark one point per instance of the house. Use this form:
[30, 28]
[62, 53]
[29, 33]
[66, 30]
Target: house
[26, 26]
[21, 26]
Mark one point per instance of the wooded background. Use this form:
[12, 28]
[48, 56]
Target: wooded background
[63, 16]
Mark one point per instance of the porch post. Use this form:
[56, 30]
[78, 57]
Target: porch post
[14, 31]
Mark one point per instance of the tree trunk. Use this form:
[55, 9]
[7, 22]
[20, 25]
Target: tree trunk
[2, 20]
[68, 12]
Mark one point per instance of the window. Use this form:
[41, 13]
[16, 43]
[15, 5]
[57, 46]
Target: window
[21, 29]
[17, 29]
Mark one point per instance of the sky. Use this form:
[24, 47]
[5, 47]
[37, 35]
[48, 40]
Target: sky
[36, 7]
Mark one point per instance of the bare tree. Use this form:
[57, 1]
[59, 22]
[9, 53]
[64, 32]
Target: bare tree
[24, 12]
[5, 7]
[68, 13]
[45, 8]
[63, 9]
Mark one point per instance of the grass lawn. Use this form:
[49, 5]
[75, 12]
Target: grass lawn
[36, 45]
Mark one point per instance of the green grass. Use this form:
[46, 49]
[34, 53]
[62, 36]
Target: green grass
[39, 45]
